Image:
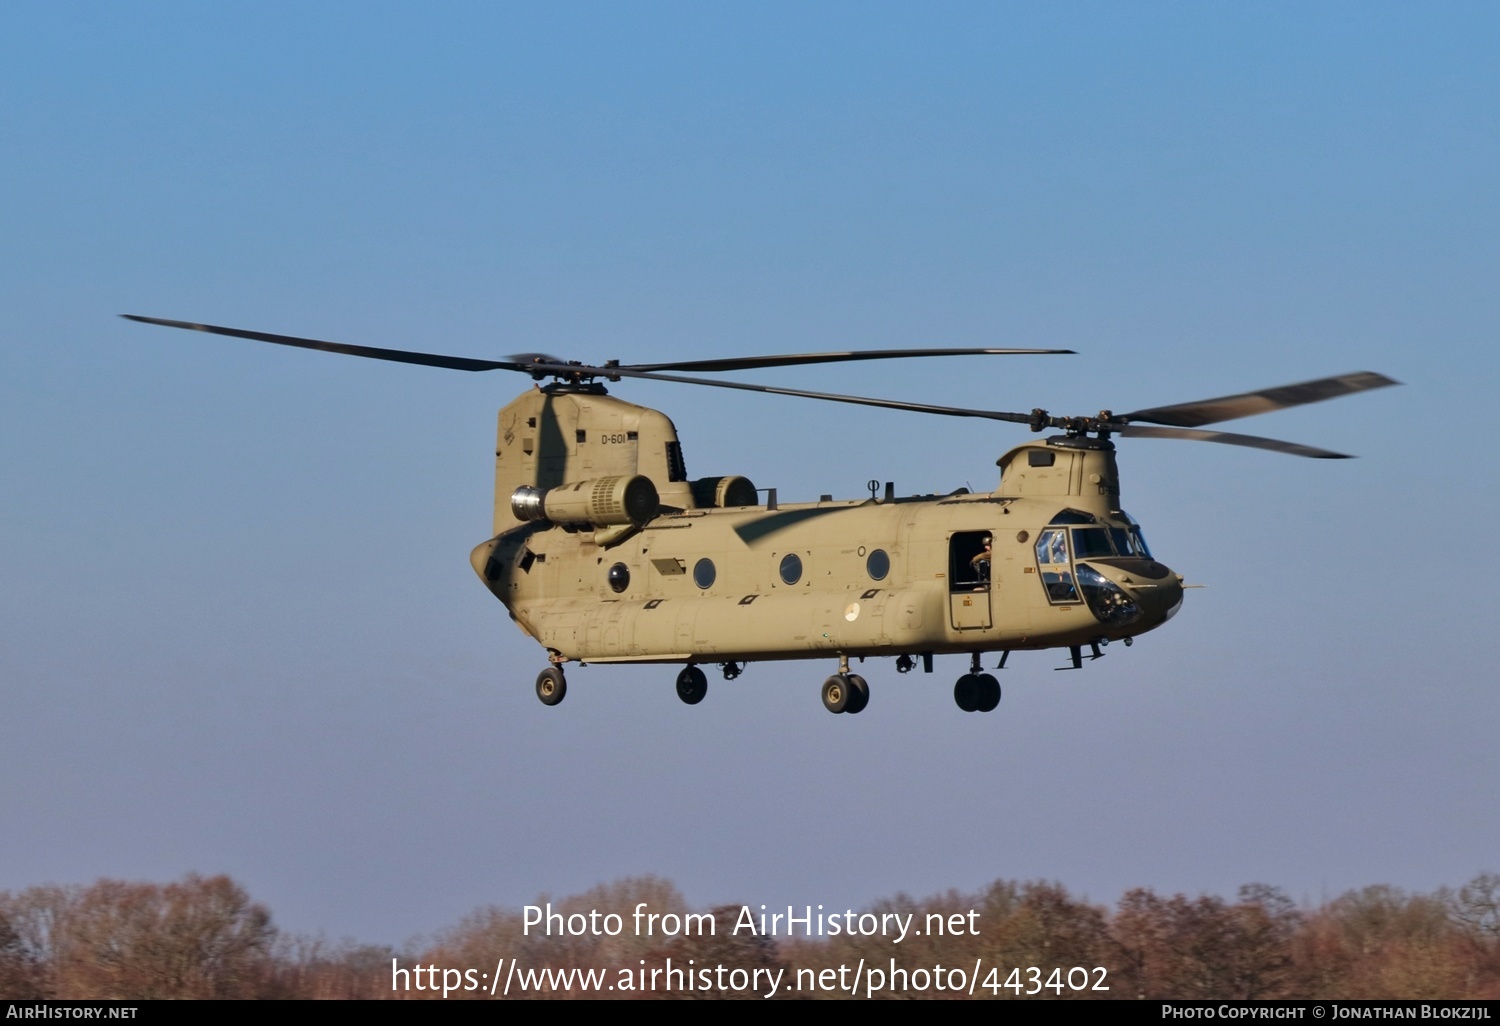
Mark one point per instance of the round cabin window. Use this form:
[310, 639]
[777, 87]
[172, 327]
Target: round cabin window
[704, 573]
[878, 565]
[619, 578]
[791, 568]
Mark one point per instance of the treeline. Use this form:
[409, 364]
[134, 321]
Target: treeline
[203, 937]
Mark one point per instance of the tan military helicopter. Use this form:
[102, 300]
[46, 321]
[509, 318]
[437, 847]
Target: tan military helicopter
[605, 551]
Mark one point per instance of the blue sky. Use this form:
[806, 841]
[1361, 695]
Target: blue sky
[240, 633]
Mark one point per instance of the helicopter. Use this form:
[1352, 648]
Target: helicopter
[603, 550]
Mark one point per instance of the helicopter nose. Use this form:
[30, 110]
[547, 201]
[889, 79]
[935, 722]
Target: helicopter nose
[1136, 594]
[1160, 600]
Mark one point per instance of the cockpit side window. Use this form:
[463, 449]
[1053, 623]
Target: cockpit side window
[1053, 565]
[1052, 547]
[1134, 541]
[1139, 541]
[1128, 542]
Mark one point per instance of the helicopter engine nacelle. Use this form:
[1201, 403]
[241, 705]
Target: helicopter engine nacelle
[721, 492]
[600, 502]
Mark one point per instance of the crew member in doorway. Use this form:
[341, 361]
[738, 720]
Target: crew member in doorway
[981, 565]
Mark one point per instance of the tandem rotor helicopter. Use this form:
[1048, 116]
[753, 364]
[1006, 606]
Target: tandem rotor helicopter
[605, 551]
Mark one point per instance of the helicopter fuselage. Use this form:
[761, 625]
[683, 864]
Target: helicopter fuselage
[707, 572]
[850, 578]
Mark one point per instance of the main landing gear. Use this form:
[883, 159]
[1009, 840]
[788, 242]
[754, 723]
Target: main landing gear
[845, 692]
[976, 691]
[551, 686]
[692, 683]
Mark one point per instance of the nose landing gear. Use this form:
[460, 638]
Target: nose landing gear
[977, 691]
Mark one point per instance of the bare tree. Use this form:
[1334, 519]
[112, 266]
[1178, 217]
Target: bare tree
[199, 938]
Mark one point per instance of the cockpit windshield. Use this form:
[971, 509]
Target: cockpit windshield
[1101, 541]
[1092, 541]
[1109, 541]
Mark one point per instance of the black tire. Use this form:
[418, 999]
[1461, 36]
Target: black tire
[692, 685]
[859, 696]
[836, 693]
[551, 686]
[966, 692]
[989, 692]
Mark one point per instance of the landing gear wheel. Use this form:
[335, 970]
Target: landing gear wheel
[989, 692]
[966, 692]
[859, 694]
[838, 693]
[551, 688]
[692, 685]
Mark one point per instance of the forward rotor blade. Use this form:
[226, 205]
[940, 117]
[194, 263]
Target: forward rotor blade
[1222, 437]
[397, 355]
[1227, 438]
[798, 359]
[1246, 404]
[834, 397]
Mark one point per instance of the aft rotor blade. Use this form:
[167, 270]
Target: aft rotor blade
[1228, 438]
[737, 363]
[833, 397]
[542, 365]
[372, 352]
[1247, 404]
